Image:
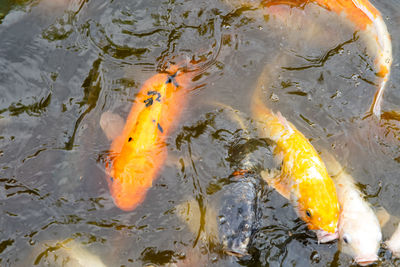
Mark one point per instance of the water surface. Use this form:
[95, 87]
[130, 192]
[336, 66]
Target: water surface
[64, 63]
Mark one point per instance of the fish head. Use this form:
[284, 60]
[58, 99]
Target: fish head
[316, 203]
[359, 233]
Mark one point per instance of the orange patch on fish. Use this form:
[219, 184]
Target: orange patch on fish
[355, 10]
[360, 12]
[383, 71]
[138, 153]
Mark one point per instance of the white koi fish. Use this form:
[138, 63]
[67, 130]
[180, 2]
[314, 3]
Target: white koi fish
[359, 229]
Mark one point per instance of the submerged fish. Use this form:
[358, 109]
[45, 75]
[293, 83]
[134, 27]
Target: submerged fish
[137, 154]
[365, 17]
[66, 253]
[359, 228]
[237, 216]
[201, 221]
[303, 178]
[232, 224]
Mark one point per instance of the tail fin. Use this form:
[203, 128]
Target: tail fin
[258, 108]
[383, 62]
[269, 73]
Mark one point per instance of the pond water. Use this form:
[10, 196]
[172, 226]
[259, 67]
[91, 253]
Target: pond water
[64, 63]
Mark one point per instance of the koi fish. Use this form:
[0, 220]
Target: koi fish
[303, 178]
[234, 223]
[137, 154]
[388, 222]
[238, 216]
[201, 221]
[393, 244]
[68, 253]
[366, 18]
[358, 238]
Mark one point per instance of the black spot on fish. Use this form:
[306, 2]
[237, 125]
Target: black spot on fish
[171, 79]
[160, 128]
[153, 120]
[155, 93]
[112, 179]
[148, 102]
[130, 139]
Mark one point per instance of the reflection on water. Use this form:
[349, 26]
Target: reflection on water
[64, 64]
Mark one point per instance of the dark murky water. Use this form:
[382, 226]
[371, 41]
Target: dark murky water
[62, 64]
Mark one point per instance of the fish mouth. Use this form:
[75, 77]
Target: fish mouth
[366, 260]
[325, 237]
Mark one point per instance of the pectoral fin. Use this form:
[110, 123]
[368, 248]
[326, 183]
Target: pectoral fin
[111, 124]
[383, 216]
[332, 165]
[275, 179]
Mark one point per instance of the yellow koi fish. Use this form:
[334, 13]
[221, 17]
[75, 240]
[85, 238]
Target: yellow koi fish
[303, 178]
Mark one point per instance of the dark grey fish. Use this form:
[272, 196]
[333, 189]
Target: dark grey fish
[237, 216]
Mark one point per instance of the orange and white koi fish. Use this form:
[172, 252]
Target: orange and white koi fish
[359, 228]
[303, 178]
[137, 154]
[366, 18]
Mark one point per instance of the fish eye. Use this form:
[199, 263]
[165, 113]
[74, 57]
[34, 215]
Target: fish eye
[346, 238]
[308, 213]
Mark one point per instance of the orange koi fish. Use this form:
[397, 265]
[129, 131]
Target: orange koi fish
[138, 153]
[303, 178]
[365, 18]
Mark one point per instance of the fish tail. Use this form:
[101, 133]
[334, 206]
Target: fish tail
[375, 108]
[272, 125]
[234, 115]
[383, 63]
[258, 107]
